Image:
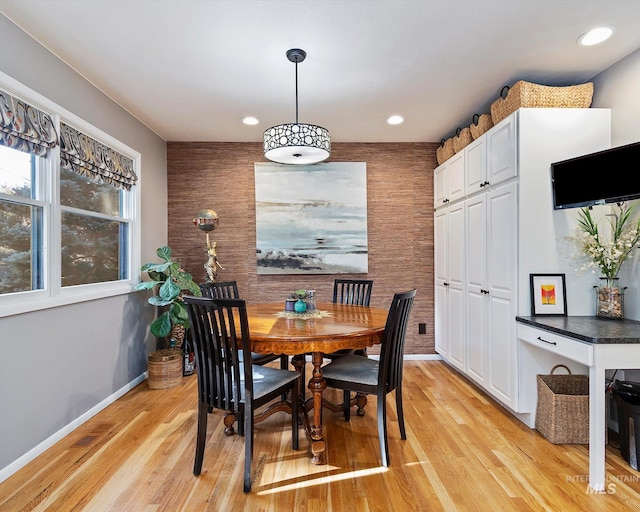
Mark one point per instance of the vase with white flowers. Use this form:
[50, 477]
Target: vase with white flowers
[607, 254]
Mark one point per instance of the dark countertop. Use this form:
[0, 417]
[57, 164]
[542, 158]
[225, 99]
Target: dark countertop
[590, 329]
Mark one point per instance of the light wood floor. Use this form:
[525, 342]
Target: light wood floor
[463, 452]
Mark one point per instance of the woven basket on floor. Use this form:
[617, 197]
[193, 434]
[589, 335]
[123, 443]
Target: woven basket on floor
[562, 414]
[529, 95]
[462, 139]
[165, 369]
[480, 125]
[445, 150]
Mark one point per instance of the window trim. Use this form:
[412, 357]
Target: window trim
[53, 295]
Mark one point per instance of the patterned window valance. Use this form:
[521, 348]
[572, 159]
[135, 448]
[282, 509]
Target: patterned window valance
[88, 157]
[24, 127]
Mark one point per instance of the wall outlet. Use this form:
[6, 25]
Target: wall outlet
[422, 328]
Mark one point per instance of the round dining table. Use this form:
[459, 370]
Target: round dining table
[328, 328]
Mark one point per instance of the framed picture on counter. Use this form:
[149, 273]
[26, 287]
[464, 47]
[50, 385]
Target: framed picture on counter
[548, 294]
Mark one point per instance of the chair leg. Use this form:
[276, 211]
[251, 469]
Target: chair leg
[400, 413]
[228, 419]
[382, 428]
[284, 362]
[200, 438]
[346, 397]
[248, 448]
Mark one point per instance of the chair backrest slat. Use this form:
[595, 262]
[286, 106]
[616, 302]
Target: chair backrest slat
[392, 350]
[221, 290]
[352, 291]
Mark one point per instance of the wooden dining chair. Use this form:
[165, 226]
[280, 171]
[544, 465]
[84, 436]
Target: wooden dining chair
[346, 291]
[229, 290]
[364, 375]
[220, 329]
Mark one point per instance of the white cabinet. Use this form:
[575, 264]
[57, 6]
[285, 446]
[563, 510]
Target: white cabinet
[501, 284]
[449, 283]
[490, 254]
[476, 169]
[502, 150]
[500, 231]
[476, 288]
[448, 182]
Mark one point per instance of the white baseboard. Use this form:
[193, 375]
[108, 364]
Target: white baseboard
[413, 357]
[9, 470]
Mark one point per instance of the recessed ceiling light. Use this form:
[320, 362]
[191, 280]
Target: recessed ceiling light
[395, 120]
[250, 120]
[595, 36]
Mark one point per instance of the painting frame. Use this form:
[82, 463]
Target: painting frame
[311, 219]
[551, 302]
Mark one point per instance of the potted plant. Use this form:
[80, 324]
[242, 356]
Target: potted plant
[170, 281]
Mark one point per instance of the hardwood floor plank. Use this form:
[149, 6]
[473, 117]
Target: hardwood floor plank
[463, 452]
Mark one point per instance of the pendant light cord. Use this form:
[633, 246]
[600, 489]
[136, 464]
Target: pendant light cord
[296, 91]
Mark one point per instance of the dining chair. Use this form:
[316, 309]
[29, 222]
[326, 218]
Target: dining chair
[220, 328]
[229, 290]
[364, 375]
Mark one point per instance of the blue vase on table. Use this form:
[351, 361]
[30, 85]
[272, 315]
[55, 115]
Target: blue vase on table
[300, 306]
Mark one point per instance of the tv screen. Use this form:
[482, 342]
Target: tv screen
[609, 176]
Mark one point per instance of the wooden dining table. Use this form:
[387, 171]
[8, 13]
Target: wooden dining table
[330, 327]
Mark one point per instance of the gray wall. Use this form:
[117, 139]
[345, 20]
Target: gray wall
[58, 363]
[617, 88]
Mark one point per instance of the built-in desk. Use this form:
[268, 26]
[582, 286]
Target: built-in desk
[593, 343]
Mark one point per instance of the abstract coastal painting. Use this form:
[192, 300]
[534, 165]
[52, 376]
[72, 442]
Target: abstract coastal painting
[311, 219]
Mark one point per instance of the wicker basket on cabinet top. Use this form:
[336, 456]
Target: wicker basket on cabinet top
[530, 95]
[445, 150]
[462, 139]
[480, 125]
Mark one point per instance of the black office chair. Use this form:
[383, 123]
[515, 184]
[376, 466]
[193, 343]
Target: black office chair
[229, 290]
[363, 375]
[219, 330]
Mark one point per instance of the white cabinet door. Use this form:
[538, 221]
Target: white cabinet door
[502, 282]
[448, 181]
[501, 151]
[456, 252]
[440, 186]
[456, 166]
[441, 270]
[449, 283]
[476, 170]
[476, 286]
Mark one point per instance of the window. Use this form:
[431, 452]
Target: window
[21, 221]
[68, 209]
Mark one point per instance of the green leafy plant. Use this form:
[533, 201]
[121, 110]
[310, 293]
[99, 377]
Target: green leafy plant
[171, 282]
[608, 255]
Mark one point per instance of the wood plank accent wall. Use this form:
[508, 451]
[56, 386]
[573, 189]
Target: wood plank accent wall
[220, 176]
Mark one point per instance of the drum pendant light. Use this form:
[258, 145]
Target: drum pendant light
[297, 143]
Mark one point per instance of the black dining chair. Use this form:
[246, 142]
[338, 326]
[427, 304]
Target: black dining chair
[364, 375]
[356, 292]
[229, 290]
[219, 330]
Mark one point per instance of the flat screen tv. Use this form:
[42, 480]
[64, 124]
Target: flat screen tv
[609, 176]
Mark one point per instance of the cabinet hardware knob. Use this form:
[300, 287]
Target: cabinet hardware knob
[445, 284]
[545, 341]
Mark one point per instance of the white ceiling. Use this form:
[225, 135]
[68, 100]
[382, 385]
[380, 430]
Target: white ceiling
[192, 69]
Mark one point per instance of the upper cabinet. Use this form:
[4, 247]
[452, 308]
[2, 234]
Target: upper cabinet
[448, 181]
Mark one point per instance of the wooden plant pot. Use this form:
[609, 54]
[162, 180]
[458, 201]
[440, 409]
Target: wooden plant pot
[165, 369]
